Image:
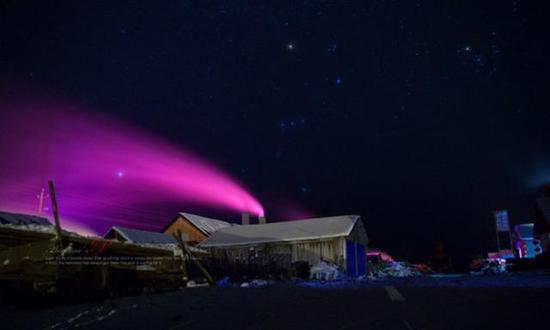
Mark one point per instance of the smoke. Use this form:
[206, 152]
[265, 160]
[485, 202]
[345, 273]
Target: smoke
[536, 172]
[106, 173]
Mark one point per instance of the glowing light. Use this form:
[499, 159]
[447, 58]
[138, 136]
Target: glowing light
[42, 140]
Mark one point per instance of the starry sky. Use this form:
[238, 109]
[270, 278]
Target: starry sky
[422, 116]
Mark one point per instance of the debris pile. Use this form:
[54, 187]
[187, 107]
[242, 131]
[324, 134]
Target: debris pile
[489, 267]
[224, 282]
[395, 269]
[325, 271]
[255, 283]
[227, 283]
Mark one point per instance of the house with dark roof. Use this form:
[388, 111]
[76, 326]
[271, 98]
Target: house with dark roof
[137, 236]
[196, 227]
[340, 240]
[7, 218]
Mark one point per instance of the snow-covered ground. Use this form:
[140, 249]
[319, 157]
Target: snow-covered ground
[503, 301]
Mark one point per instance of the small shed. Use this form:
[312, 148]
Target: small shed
[196, 227]
[137, 236]
[340, 240]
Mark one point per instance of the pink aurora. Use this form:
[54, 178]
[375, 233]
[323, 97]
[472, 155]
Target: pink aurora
[105, 173]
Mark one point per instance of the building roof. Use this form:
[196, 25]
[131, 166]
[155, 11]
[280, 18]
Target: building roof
[524, 231]
[307, 229]
[142, 236]
[22, 219]
[206, 225]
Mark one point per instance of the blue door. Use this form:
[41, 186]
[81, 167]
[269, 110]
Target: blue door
[355, 259]
[361, 259]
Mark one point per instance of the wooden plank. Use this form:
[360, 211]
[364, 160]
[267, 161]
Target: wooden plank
[55, 212]
[185, 250]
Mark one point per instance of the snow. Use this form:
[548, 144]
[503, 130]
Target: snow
[308, 229]
[491, 267]
[67, 250]
[103, 317]
[260, 282]
[224, 282]
[193, 284]
[256, 283]
[31, 227]
[38, 229]
[76, 317]
[324, 271]
[142, 236]
[84, 318]
[395, 269]
[170, 246]
[206, 225]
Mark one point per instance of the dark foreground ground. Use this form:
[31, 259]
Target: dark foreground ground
[510, 301]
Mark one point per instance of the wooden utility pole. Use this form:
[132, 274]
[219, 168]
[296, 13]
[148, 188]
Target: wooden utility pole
[55, 211]
[41, 201]
[185, 250]
[184, 256]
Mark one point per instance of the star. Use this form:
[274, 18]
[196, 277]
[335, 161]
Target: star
[291, 124]
[120, 174]
[478, 59]
[290, 46]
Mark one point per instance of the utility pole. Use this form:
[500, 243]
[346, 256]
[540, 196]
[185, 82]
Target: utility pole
[41, 201]
[55, 211]
[186, 252]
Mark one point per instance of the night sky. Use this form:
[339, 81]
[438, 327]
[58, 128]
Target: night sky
[421, 116]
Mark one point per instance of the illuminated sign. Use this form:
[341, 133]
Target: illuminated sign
[502, 221]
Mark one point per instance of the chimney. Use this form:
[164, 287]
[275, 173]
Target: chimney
[245, 219]
[262, 220]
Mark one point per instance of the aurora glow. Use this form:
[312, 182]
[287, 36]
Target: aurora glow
[106, 173]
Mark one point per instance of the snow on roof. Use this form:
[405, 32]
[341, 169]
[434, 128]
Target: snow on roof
[206, 225]
[142, 237]
[307, 229]
[22, 219]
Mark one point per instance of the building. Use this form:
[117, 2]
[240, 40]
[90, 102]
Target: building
[137, 236]
[17, 219]
[340, 240]
[19, 229]
[524, 242]
[197, 228]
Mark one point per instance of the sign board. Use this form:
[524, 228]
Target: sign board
[502, 221]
